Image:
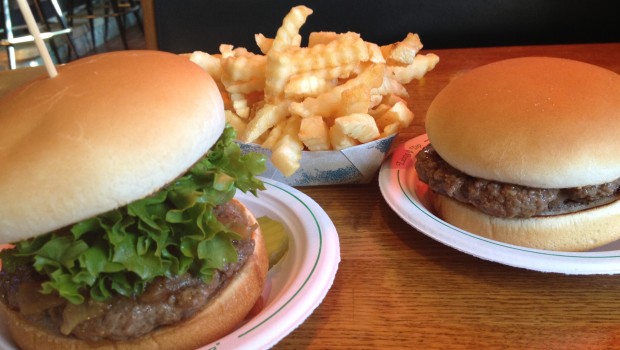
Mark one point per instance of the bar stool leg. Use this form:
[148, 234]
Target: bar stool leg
[41, 18]
[91, 22]
[10, 51]
[63, 22]
[106, 19]
[136, 13]
[8, 29]
[37, 5]
[120, 22]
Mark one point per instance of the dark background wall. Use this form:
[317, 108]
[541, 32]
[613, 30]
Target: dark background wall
[187, 25]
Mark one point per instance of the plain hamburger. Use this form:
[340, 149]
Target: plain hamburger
[116, 189]
[527, 151]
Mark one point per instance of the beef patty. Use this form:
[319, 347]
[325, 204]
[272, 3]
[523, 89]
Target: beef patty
[165, 301]
[508, 200]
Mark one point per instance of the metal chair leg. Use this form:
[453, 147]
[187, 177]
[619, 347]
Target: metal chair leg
[106, 21]
[91, 22]
[120, 22]
[136, 13]
[10, 51]
[8, 29]
[41, 19]
[41, 16]
[63, 22]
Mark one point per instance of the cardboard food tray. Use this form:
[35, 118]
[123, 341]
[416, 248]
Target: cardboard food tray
[354, 165]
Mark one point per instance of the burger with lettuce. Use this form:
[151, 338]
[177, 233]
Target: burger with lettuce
[116, 196]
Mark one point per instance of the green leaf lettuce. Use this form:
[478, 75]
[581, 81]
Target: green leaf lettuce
[169, 233]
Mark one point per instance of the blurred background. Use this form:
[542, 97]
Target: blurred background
[186, 25]
[203, 25]
[75, 28]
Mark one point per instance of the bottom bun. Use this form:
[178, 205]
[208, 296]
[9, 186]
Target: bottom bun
[580, 231]
[219, 317]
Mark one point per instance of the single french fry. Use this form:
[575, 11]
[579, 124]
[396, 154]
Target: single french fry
[255, 105]
[286, 154]
[378, 110]
[274, 135]
[296, 41]
[375, 100]
[402, 52]
[390, 86]
[359, 126]
[375, 54]
[339, 140]
[314, 134]
[265, 118]
[421, 65]
[246, 87]
[264, 44]
[346, 49]
[305, 85]
[354, 100]
[323, 105]
[210, 63]
[235, 121]
[278, 71]
[240, 105]
[244, 67]
[225, 98]
[316, 38]
[292, 22]
[343, 71]
[226, 50]
[370, 76]
[398, 113]
[390, 129]
[392, 99]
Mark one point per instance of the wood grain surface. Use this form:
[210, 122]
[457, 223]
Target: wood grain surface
[397, 288]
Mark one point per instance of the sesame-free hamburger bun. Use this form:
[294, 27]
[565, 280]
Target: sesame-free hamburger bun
[533, 145]
[107, 170]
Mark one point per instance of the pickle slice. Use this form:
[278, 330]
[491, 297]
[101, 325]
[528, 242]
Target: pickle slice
[275, 237]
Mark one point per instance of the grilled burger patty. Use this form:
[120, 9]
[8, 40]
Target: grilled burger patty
[508, 200]
[165, 301]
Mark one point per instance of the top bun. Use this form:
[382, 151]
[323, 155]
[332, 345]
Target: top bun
[535, 121]
[108, 130]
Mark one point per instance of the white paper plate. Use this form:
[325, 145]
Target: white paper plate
[297, 284]
[398, 179]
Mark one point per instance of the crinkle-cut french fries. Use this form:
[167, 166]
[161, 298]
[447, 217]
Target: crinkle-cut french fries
[235, 121]
[314, 133]
[286, 153]
[337, 92]
[306, 85]
[289, 30]
[328, 103]
[266, 118]
[398, 113]
[360, 126]
[403, 52]
[416, 70]
[240, 105]
[354, 100]
[340, 140]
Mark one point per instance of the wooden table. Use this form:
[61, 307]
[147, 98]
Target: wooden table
[397, 288]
